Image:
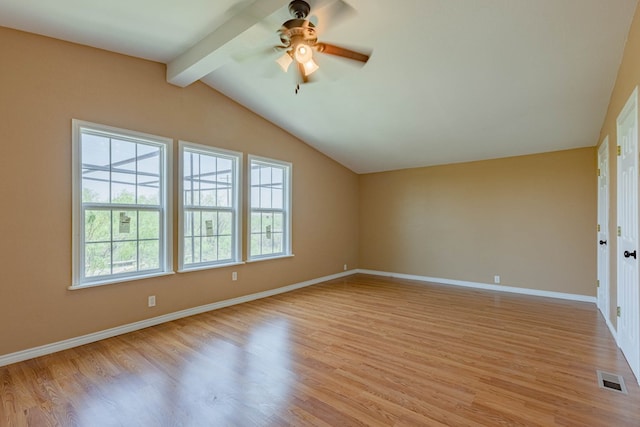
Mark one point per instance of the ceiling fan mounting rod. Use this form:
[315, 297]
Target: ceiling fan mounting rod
[299, 9]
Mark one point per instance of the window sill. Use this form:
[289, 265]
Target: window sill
[119, 280]
[208, 267]
[269, 258]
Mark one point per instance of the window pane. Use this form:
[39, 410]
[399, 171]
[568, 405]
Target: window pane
[277, 200]
[149, 254]
[256, 245]
[277, 243]
[97, 259]
[149, 225]
[224, 248]
[209, 249]
[97, 226]
[125, 225]
[95, 151]
[225, 223]
[256, 222]
[125, 257]
[123, 155]
[148, 191]
[265, 198]
[95, 186]
[188, 250]
[278, 221]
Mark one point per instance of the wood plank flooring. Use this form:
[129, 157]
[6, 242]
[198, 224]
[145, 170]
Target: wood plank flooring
[362, 350]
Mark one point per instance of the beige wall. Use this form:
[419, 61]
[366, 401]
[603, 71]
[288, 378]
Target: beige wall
[628, 78]
[529, 219]
[44, 83]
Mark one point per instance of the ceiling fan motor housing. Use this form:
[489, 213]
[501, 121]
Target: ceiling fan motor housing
[299, 9]
[298, 30]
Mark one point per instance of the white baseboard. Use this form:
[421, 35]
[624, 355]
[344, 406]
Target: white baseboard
[485, 286]
[31, 353]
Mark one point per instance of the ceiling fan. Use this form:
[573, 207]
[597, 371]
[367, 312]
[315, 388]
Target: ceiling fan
[299, 41]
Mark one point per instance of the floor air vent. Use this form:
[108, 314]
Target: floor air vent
[611, 382]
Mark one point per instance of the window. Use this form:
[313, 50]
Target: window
[269, 208]
[121, 217]
[209, 216]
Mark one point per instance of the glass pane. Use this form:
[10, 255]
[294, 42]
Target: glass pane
[265, 197]
[225, 220]
[95, 186]
[149, 254]
[277, 243]
[256, 246]
[224, 248]
[255, 175]
[277, 175]
[123, 193]
[278, 222]
[148, 160]
[97, 259]
[125, 225]
[209, 225]
[188, 223]
[209, 249]
[125, 257]
[149, 225]
[188, 250]
[123, 155]
[97, 226]
[265, 175]
[148, 191]
[256, 223]
[277, 200]
[267, 244]
[95, 152]
[267, 223]
[255, 197]
[197, 249]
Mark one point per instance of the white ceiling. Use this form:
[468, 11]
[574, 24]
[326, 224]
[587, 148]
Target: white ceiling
[448, 81]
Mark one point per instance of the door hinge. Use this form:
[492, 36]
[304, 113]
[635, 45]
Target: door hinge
[598, 227]
[598, 171]
[597, 283]
[619, 150]
[619, 231]
[618, 312]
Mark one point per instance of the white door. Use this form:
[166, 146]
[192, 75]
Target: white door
[603, 229]
[627, 259]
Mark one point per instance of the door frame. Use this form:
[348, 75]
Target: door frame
[604, 253]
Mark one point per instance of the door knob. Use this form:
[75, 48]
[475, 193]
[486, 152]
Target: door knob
[603, 242]
[628, 254]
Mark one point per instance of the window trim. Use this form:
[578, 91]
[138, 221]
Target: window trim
[236, 194]
[287, 203]
[79, 281]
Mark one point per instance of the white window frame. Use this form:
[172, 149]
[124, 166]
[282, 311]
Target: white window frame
[236, 158]
[287, 211]
[165, 145]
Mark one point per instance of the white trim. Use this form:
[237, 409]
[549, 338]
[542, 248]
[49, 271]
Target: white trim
[267, 258]
[210, 266]
[485, 286]
[122, 279]
[613, 331]
[31, 353]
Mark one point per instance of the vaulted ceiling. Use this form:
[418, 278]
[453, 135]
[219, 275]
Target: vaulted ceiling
[448, 80]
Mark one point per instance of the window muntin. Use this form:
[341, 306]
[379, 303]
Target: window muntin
[209, 221]
[120, 193]
[269, 208]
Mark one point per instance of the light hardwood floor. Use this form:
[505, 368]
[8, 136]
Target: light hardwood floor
[363, 350]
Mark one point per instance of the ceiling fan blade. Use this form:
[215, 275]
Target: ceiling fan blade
[331, 49]
[259, 53]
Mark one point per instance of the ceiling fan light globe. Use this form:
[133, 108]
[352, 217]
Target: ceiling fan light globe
[284, 61]
[310, 67]
[303, 53]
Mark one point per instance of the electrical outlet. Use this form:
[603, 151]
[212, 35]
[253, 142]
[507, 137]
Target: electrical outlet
[234, 275]
[496, 279]
[152, 301]
[345, 267]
